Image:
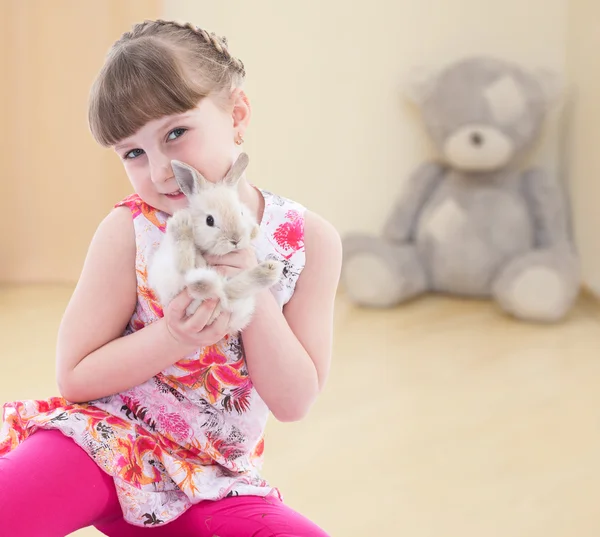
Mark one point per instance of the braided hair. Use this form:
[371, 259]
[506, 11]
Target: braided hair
[158, 68]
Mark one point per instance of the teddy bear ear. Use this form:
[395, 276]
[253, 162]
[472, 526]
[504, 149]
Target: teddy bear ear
[551, 84]
[419, 84]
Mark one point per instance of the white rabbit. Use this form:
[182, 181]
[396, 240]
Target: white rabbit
[215, 222]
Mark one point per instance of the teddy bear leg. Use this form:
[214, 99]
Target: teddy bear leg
[378, 273]
[540, 286]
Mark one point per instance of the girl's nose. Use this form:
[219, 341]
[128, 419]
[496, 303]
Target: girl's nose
[160, 169]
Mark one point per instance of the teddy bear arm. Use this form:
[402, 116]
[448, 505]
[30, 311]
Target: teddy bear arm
[401, 224]
[546, 202]
[542, 284]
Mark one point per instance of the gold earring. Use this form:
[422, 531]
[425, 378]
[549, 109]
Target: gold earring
[239, 141]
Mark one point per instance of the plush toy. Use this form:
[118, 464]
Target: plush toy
[476, 224]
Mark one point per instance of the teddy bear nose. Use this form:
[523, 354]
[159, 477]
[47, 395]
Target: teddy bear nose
[476, 139]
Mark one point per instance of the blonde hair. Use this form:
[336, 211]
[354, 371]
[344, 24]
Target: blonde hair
[158, 68]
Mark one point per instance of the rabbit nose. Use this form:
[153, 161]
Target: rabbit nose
[235, 242]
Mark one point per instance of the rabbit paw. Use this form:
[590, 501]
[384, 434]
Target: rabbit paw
[203, 283]
[269, 272]
[181, 226]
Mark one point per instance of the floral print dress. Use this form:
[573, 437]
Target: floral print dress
[193, 432]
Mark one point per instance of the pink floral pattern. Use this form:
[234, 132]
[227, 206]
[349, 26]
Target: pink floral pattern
[193, 432]
[289, 235]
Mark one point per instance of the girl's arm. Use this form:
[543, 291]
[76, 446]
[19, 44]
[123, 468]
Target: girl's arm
[94, 359]
[289, 354]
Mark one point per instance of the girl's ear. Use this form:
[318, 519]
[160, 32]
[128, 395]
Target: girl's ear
[237, 170]
[190, 181]
[241, 111]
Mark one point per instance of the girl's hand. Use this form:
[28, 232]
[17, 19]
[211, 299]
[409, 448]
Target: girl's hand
[192, 332]
[234, 262]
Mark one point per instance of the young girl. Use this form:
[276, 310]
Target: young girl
[159, 430]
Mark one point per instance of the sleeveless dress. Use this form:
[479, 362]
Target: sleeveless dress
[193, 432]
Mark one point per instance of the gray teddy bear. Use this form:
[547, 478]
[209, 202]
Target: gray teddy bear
[476, 224]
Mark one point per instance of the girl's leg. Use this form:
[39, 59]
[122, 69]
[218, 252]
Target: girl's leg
[251, 516]
[242, 516]
[50, 487]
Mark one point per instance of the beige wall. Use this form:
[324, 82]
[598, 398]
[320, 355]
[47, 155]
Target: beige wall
[584, 133]
[325, 84]
[56, 183]
[325, 81]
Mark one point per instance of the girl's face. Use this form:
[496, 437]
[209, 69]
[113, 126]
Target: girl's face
[203, 137]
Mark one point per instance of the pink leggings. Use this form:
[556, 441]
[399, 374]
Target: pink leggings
[50, 487]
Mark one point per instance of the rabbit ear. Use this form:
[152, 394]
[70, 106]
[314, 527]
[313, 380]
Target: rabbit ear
[237, 170]
[189, 179]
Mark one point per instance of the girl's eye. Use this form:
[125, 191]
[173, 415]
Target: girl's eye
[176, 133]
[134, 153]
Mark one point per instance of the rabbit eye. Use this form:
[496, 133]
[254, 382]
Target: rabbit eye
[210, 221]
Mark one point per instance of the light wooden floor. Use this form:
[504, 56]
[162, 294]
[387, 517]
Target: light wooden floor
[441, 418]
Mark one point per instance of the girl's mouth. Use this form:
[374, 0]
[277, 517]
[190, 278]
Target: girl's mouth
[175, 195]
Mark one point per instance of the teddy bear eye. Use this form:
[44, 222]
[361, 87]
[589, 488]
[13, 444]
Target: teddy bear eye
[210, 221]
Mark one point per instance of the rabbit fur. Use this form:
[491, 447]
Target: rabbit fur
[215, 222]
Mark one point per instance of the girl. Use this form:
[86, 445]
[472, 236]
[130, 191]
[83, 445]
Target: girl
[161, 420]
